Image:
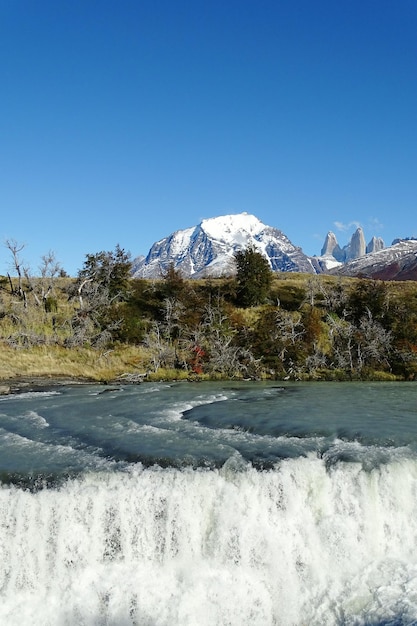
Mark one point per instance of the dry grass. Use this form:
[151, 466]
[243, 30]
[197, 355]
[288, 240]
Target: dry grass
[56, 362]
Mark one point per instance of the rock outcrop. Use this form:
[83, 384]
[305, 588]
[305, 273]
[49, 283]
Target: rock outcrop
[332, 248]
[355, 249]
[374, 245]
[357, 246]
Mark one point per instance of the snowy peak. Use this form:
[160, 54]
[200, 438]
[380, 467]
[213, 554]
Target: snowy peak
[232, 228]
[208, 249]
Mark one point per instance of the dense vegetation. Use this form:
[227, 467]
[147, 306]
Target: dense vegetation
[104, 324]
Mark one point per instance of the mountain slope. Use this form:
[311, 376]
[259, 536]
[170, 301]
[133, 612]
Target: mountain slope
[208, 249]
[396, 262]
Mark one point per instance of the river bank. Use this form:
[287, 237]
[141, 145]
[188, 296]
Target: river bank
[42, 366]
[21, 384]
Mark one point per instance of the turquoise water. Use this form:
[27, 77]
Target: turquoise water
[209, 504]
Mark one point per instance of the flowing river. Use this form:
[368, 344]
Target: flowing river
[209, 504]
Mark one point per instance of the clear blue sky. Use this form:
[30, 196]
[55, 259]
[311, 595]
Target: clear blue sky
[123, 121]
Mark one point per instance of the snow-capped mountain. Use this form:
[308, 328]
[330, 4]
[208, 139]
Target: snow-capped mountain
[208, 249]
[396, 262]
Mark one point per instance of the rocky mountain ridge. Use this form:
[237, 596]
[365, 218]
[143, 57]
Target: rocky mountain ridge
[357, 246]
[208, 250]
[395, 262]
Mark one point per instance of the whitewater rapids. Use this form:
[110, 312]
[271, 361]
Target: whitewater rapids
[303, 543]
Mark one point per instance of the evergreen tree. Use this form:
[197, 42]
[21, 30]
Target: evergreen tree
[109, 270]
[253, 277]
[368, 296]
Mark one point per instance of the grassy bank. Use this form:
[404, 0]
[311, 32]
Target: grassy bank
[308, 328]
[81, 363]
[52, 363]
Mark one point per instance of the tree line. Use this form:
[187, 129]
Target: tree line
[253, 324]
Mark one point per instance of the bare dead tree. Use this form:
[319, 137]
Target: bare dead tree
[15, 249]
[334, 297]
[316, 360]
[80, 289]
[224, 355]
[289, 330]
[42, 285]
[374, 342]
[312, 289]
[342, 337]
[173, 310]
[49, 268]
[162, 352]
[91, 322]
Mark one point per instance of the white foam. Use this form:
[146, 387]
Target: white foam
[298, 545]
[29, 394]
[37, 419]
[177, 409]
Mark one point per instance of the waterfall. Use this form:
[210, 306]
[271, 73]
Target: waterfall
[300, 544]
